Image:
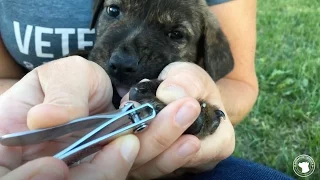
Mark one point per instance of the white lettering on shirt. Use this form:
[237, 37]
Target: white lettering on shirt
[23, 47]
[43, 38]
[65, 32]
[39, 43]
[81, 38]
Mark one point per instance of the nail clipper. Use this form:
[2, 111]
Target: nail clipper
[106, 127]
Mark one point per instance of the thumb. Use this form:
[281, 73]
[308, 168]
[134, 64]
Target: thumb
[181, 79]
[44, 168]
[73, 87]
[114, 161]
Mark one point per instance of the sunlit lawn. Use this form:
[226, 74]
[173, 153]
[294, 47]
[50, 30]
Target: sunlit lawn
[285, 121]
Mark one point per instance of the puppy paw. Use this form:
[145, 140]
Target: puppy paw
[144, 92]
[206, 123]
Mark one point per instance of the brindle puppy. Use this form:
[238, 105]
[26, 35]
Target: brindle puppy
[136, 39]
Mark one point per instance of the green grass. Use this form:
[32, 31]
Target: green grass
[285, 121]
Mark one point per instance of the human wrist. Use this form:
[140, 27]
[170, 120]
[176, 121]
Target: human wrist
[238, 98]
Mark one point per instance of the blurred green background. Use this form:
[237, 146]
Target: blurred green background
[285, 121]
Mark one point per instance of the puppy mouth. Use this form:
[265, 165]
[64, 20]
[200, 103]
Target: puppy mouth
[122, 90]
[119, 86]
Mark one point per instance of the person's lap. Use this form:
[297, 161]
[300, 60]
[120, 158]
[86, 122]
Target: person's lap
[239, 169]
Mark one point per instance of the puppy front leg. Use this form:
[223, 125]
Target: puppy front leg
[206, 123]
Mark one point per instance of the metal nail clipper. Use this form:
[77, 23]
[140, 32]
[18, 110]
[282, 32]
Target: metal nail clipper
[106, 127]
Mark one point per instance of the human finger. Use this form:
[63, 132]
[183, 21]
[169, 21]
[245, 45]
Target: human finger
[166, 128]
[214, 148]
[72, 87]
[183, 79]
[187, 79]
[113, 162]
[45, 168]
[170, 160]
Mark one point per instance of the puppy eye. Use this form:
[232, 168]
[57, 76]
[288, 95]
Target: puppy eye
[175, 35]
[113, 10]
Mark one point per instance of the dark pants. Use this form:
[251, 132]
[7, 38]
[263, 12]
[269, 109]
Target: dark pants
[238, 169]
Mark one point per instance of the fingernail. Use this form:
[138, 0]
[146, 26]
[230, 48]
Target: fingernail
[186, 114]
[171, 93]
[188, 149]
[128, 151]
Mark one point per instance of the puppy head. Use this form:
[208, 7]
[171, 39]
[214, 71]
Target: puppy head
[136, 39]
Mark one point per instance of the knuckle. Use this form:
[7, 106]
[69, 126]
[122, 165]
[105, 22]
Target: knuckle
[174, 68]
[78, 58]
[134, 176]
[162, 169]
[160, 142]
[63, 65]
[75, 60]
[193, 84]
[196, 160]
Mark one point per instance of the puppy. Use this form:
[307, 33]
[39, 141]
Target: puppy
[136, 39]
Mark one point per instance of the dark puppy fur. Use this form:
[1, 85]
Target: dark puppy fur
[136, 39]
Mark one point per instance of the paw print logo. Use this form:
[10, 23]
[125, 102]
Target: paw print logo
[303, 165]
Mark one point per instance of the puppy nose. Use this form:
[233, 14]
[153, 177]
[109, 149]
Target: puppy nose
[119, 66]
[122, 63]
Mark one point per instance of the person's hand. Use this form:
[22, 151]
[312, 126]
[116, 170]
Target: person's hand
[163, 149]
[113, 162]
[50, 95]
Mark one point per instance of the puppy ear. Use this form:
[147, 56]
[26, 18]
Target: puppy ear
[97, 7]
[217, 56]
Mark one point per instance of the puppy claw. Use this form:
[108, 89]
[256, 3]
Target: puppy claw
[220, 114]
[135, 92]
[144, 90]
[217, 119]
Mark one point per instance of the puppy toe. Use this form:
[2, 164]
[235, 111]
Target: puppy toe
[216, 120]
[135, 93]
[207, 122]
[144, 90]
